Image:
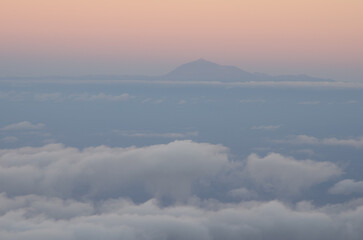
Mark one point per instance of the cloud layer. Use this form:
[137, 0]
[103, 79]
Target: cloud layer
[58, 97]
[102, 172]
[33, 217]
[162, 192]
[175, 171]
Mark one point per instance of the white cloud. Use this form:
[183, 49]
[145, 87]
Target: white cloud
[169, 170]
[176, 170]
[23, 126]
[146, 100]
[286, 175]
[100, 96]
[50, 207]
[304, 139]
[358, 142]
[266, 127]
[44, 97]
[346, 187]
[58, 192]
[172, 135]
[31, 217]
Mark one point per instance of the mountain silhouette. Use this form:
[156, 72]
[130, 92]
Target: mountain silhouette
[203, 70]
[199, 70]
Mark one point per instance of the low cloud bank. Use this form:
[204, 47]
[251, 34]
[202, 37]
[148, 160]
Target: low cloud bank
[33, 217]
[58, 192]
[174, 171]
[169, 170]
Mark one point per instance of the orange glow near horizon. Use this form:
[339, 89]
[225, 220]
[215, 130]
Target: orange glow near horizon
[250, 30]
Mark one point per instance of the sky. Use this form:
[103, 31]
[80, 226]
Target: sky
[320, 38]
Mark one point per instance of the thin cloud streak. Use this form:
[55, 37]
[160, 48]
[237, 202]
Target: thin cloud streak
[309, 140]
[101, 96]
[273, 84]
[23, 126]
[172, 135]
[266, 127]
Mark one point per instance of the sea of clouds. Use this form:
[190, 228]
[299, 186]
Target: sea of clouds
[180, 190]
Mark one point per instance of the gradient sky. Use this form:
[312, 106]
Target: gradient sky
[70, 37]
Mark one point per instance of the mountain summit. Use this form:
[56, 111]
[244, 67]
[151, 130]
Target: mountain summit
[203, 70]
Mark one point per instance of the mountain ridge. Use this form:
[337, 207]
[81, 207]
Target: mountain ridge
[199, 70]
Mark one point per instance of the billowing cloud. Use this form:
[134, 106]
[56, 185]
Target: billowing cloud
[286, 175]
[168, 170]
[66, 193]
[175, 171]
[304, 139]
[23, 126]
[32, 217]
[346, 187]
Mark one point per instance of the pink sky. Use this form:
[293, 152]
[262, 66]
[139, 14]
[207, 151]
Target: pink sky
[322, 37]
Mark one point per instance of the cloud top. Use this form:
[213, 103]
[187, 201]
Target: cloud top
[286, 175]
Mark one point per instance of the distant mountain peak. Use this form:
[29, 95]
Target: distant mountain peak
[204, 70]
[201, 60]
